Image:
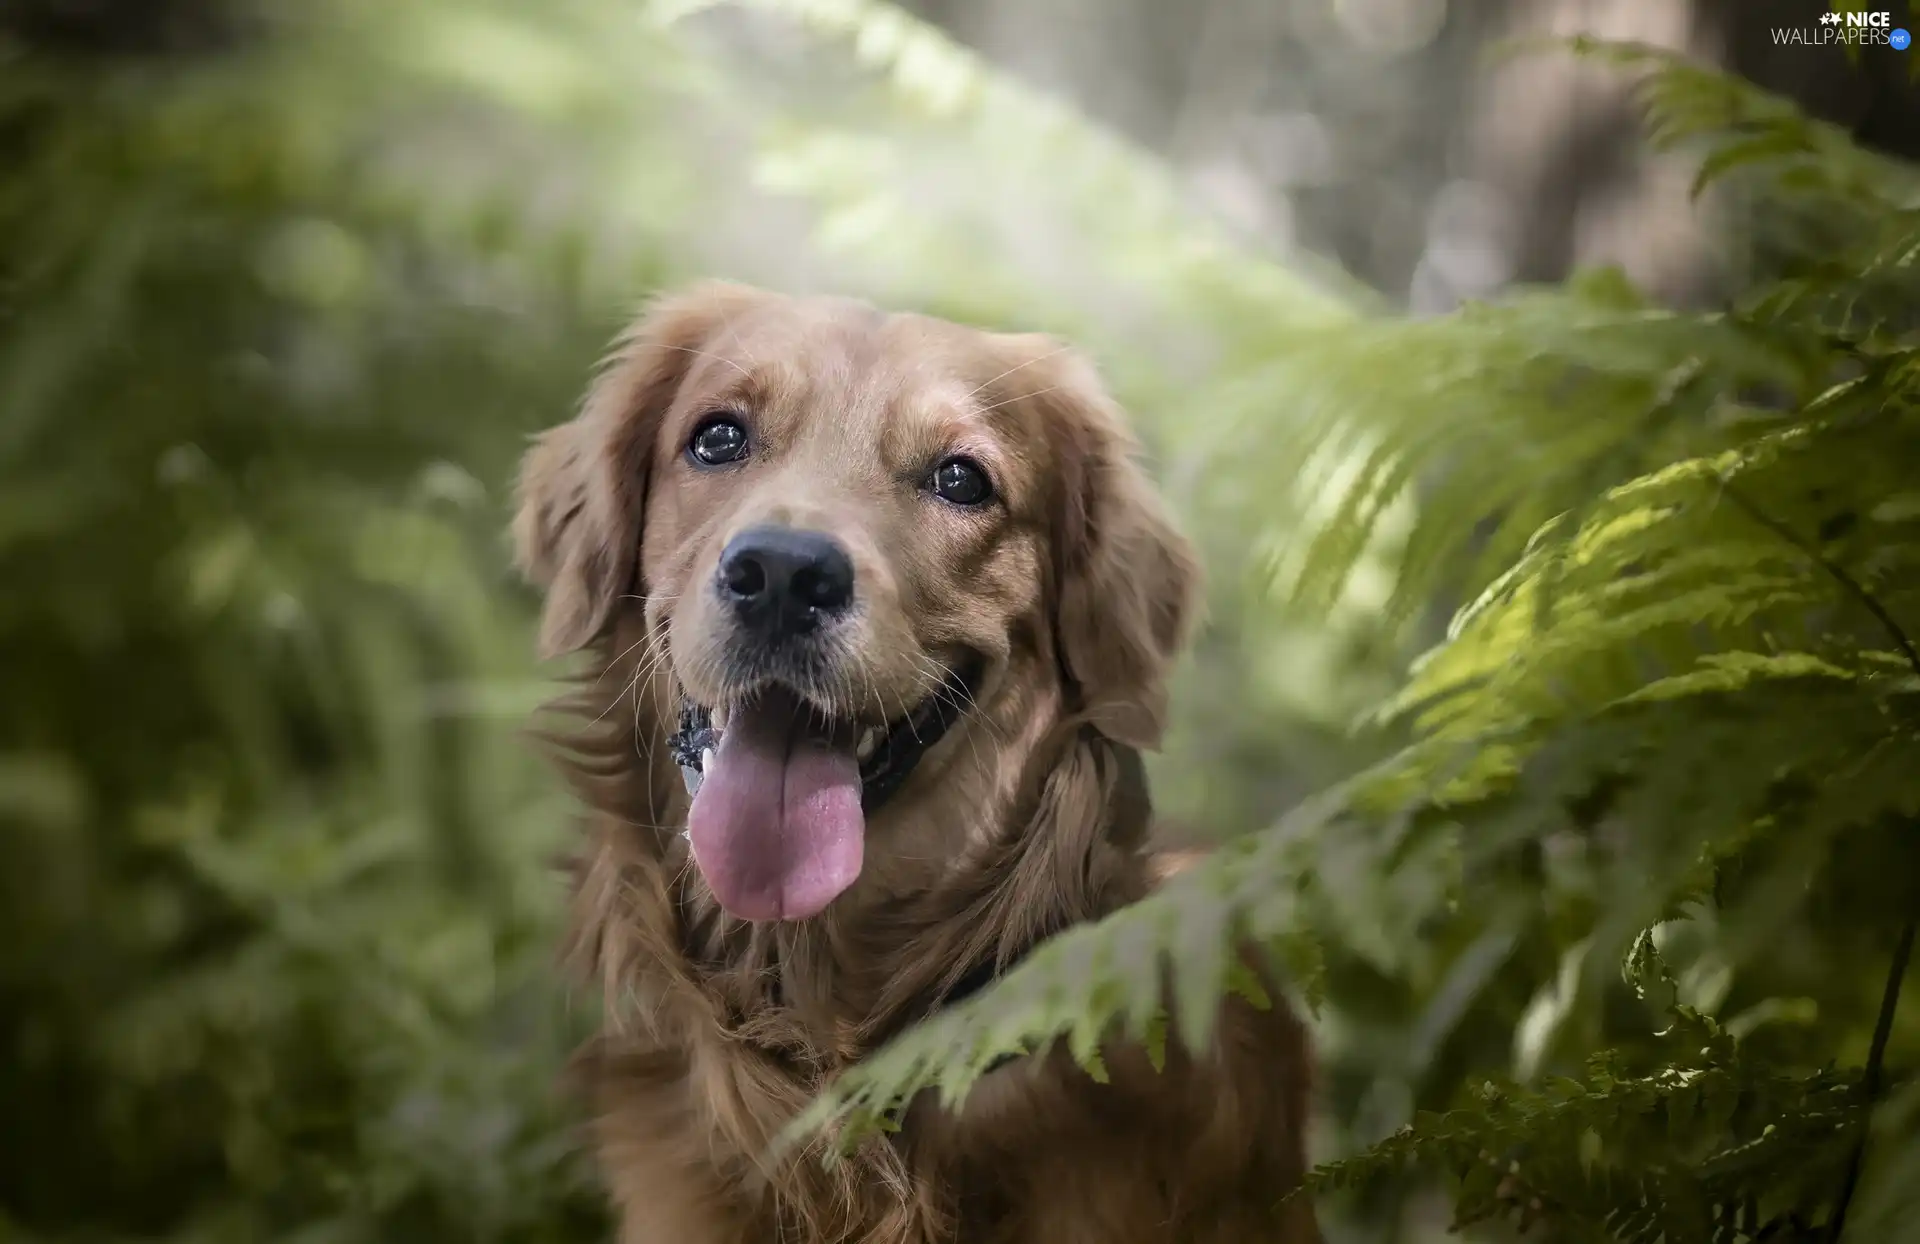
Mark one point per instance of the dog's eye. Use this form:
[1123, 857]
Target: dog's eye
[717, 441]
[961, 481]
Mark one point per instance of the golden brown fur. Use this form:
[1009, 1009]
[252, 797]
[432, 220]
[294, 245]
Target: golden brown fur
[1028, 817]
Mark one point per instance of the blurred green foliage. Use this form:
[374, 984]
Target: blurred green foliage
[278, 890]
[278, 885]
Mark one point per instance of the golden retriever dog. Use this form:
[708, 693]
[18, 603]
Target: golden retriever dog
[880, 611]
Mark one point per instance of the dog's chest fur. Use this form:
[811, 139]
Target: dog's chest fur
[720, 1033]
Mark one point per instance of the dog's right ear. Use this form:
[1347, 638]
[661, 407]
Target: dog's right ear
[1126, 582]
[582, 492]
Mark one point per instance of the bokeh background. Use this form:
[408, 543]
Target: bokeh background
[284, 289]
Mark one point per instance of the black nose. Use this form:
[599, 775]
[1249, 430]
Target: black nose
[783, 582]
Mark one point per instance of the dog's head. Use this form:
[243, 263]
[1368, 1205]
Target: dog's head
[864, 548]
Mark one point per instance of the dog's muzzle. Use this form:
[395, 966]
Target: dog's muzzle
[882, 773]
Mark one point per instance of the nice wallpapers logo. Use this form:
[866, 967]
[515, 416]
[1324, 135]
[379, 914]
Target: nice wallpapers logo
[1847, 30]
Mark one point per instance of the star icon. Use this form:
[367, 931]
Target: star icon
[1829, 18]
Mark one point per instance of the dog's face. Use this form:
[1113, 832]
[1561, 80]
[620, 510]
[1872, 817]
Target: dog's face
[853, 541]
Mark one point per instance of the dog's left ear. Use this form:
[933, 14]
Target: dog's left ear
[582, 487]
[1126, 585]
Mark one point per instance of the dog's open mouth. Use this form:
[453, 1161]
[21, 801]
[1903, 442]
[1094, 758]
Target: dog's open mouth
[781, 795]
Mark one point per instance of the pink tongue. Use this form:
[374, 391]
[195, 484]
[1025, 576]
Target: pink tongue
[776, 827]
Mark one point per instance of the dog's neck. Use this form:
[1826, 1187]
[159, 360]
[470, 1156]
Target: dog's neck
[1032, 822]
[1065, 850]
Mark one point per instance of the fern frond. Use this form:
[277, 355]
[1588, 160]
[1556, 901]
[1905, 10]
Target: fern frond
[1103, 982]
[1506, 416]
[1633, 602]
[1666, 1154]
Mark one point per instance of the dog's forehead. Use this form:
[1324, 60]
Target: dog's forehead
[867, 372]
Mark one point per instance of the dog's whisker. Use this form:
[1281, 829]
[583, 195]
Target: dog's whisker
[955, 695]
[1017, 367]
[708, 354]
[642, 669]
[906, 715]
[642, 737]
[613, 702]
[1018, 398]
[733, 335]
[621, 657]
[873, 689]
